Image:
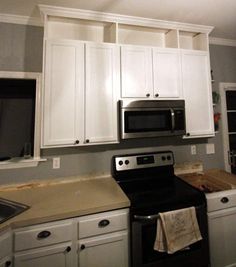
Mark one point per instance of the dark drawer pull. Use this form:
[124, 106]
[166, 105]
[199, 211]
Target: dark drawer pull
[224, 200]
[43, 234]
[8, 263]
[82, 247]
[103, 223]
[68, 249]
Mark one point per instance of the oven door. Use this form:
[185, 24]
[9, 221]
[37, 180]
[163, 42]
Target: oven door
[143, 238]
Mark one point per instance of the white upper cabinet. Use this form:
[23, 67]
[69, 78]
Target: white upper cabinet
[102, 85]
[63, 93]
[92, 59]
[75, 112]
[197, 94]
[136, 71]
[150, 72]
[167, 73]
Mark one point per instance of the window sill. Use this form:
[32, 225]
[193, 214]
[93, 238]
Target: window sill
[16, 163]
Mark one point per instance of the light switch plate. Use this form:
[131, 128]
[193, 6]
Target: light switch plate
[210, 148]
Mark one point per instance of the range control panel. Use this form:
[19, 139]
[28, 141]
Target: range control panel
[132, 162]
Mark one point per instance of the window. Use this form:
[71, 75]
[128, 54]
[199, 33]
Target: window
[19, 119]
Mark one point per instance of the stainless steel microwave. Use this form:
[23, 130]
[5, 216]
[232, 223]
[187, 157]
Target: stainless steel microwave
[152, 118]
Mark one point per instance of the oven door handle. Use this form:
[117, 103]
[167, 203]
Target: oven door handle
[146, 218]
[172, 119]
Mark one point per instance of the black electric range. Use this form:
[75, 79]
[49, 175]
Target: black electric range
[149, 181]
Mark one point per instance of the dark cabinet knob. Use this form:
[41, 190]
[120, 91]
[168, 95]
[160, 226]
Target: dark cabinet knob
[68, 249]
[82, 247]
[147, 95]
[188, 134]
[43, 234]
[156, 95]
[8, 263]
[87, 140]
[77, 142]
[103, 223]
[224, 200]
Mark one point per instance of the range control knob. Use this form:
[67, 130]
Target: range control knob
[163, 158]
[126, 162]
[120, 162]
[168, 157]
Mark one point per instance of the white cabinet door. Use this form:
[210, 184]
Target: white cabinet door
[58, 256]
[5, 246]
[166, 73]
[222, 237]
[197, 93]
[136, 72]
[110, 250]
[102, 85]
[63, 93]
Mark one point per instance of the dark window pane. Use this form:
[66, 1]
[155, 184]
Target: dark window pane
[231, 100]
[231, 121]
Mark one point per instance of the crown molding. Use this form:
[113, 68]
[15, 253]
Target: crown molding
[47, 10]
[222, 41]
[17, 19]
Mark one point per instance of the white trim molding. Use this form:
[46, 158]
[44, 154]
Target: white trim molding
[47, 10]
[221, 41]
[32, 162]
[223, 87]
[17, 19]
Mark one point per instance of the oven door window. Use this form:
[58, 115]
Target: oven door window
[147, 121]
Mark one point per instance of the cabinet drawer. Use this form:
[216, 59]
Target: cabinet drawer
[102, 223]
[43, 235]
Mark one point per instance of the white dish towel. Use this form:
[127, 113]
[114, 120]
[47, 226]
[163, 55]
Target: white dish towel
[176, 230]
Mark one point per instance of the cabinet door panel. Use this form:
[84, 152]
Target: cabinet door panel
[136, 71]
[102, 84]
[63, 92]
[105, 251]
[197, 94]
[45, 257]
[166, 73]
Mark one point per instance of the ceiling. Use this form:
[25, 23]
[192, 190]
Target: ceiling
[218, 13]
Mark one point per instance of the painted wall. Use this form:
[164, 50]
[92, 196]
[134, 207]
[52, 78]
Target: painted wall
[21, 50]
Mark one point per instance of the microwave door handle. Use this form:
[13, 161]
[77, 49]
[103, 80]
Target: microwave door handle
[172, 119]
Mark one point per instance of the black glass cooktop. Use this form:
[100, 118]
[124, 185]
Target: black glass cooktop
[158, 195]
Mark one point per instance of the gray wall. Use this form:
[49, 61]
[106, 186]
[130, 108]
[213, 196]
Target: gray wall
[21, 50]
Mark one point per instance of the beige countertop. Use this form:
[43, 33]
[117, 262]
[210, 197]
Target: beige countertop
[49, 202]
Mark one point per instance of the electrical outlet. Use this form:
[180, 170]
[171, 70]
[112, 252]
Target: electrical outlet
[210, 148]
[56, 162]
[193, 150]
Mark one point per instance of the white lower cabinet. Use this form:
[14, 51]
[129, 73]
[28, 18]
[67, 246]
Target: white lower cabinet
[6, 262]
[44, 245]
[6, 249]
[108, 250]
[59, 256]
[98, 240]
[103, 239]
